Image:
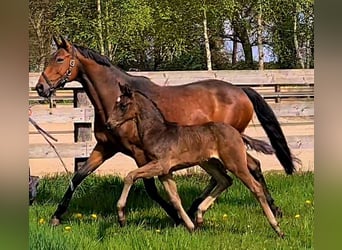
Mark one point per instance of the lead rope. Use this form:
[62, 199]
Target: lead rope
[46, 136]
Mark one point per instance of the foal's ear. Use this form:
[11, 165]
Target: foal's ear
[125, 90]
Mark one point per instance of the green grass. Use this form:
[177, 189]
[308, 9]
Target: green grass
[243, 227]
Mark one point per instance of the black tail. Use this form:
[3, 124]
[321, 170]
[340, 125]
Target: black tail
[273, 130]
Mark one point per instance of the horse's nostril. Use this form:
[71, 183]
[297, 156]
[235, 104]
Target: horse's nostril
[39, 87]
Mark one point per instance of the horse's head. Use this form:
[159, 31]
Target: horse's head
[61, 69]
[124, 108]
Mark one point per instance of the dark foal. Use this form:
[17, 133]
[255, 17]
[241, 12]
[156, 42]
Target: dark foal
[172, 147]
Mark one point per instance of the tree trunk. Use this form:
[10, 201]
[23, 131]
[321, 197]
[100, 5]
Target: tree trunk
[234, 59]
[206, 40]
[99, 23]
[242, 33]
[247, 49]
[295, 40]
[109, 46]
[308, 53]
[260, 40]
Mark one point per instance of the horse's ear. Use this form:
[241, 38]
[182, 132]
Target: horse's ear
[65, 43]
[125, 89]
[58, 44]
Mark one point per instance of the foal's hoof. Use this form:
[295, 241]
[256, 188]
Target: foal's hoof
[281, 235]
[55, 221]
[199, 223]
[122, 223]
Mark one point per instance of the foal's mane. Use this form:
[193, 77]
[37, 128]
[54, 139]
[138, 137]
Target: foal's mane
[155, 106]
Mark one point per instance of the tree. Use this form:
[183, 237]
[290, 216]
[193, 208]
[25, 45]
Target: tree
[40, 33]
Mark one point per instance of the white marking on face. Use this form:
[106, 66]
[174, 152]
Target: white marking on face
[119, 99]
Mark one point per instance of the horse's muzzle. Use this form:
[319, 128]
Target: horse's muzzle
[42, 90]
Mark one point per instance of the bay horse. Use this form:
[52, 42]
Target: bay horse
[171, 147]
[189, 104]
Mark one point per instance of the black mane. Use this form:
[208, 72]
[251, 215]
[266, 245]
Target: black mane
[89, 53]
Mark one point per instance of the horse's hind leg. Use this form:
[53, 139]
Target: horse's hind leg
[255, 170]
[96, 158]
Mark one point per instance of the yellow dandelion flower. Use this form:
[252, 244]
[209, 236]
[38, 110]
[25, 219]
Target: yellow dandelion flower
[297, 216]
[78, 216]
[41, 221]
[158, 230]
[225, 216]
[308, 202]
[94, 216]
[67, 228]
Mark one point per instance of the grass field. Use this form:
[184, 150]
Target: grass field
[235, 221]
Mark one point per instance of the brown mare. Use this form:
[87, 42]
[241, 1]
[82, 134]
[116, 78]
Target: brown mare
[171, 147]
[190, 104]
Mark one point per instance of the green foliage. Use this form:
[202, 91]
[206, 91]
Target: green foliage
[235, 221]
[168, 34]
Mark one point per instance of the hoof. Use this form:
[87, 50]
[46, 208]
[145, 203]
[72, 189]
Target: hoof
[199, 219]
[122, 223]
[55, 221]
[199, 223]
[281, 235]
[178, 221]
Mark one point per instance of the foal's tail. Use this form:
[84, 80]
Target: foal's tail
[258, 145]
[273, 130]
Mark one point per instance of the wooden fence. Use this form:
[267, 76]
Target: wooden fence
[70, 117]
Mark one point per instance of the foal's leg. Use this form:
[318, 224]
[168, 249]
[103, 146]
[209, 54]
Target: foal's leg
[152, 191]
[235, 160]
[212, 163]
[255, 170]
[99, 154]
[194, 206]
[257, 189]
[223, 182]
[149, 170]
[171, 189]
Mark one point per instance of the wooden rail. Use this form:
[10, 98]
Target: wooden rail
[277, 86]
[272, 84]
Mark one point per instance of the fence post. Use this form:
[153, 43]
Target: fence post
[82, 130]
[277, 92]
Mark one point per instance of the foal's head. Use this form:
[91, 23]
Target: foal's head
[124, 109]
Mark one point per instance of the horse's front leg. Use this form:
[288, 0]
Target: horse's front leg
[100, 153]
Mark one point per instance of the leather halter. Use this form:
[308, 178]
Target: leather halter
[65, 78]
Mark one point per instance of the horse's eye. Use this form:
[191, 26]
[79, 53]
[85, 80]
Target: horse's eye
[59, 60]
[123, 106]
